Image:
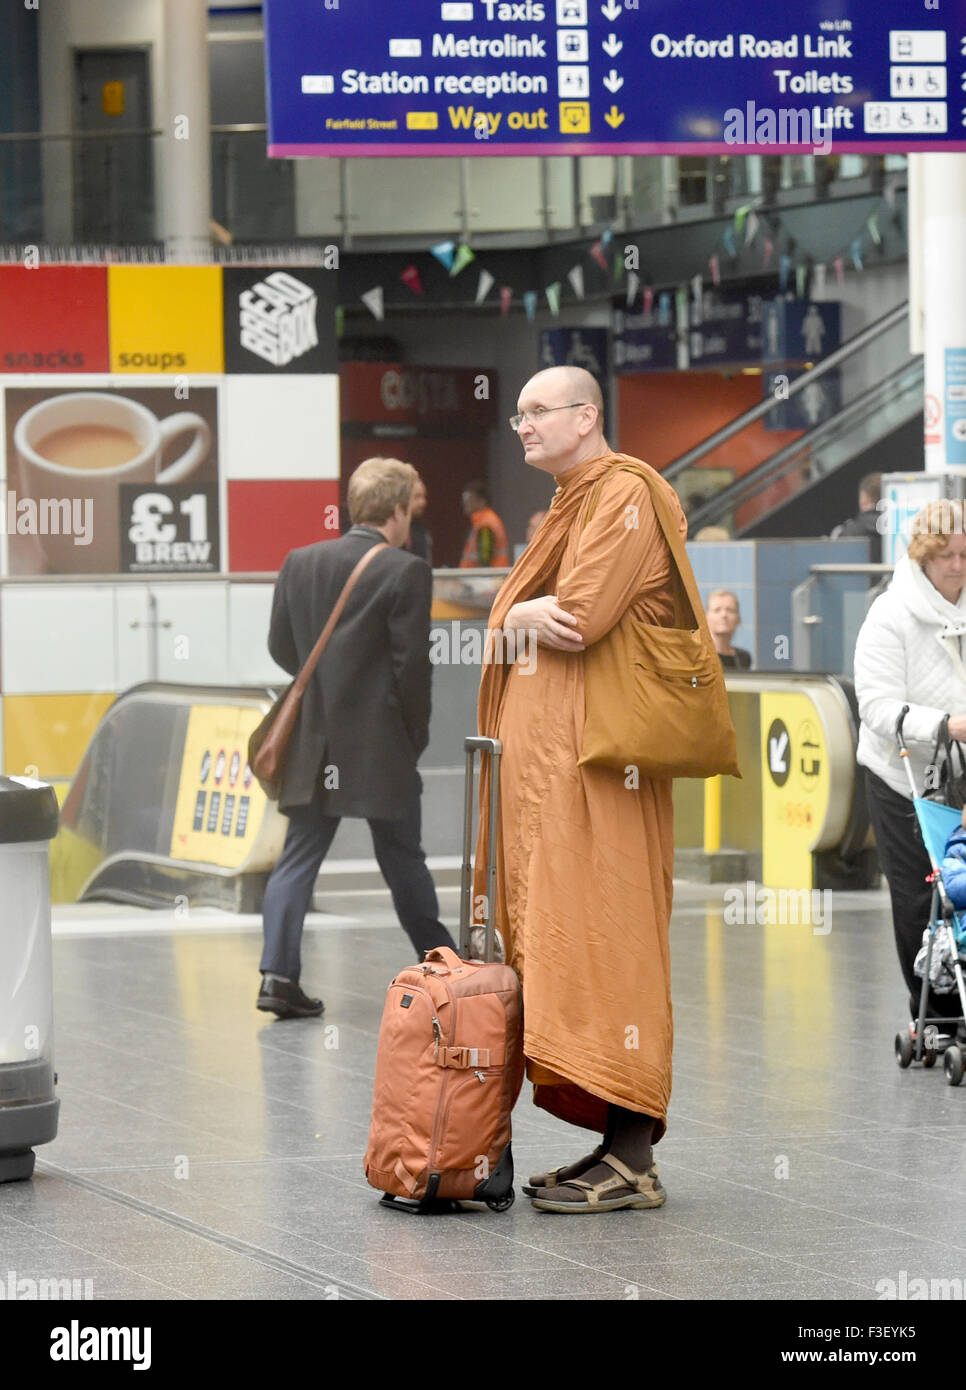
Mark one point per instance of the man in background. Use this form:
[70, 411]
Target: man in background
[863, 525]
[420, 541]
[486, 545]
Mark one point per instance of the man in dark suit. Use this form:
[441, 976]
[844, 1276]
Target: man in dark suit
[363, 724]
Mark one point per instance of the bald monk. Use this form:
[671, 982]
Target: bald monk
[584, 862]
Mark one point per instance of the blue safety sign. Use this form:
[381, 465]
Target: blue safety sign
[796, 330]
[551, 77]
[576, 347]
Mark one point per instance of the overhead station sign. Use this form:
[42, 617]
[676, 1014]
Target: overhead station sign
[550, 77]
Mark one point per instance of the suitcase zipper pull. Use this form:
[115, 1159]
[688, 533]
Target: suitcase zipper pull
[437, 1035]
[480, 1076]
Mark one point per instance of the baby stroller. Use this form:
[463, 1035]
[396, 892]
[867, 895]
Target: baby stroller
[940, 962]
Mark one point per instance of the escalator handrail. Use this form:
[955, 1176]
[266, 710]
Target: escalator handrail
[773, 467]
[841, 354]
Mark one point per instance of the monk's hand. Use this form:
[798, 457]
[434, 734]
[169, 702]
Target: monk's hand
[553, 626]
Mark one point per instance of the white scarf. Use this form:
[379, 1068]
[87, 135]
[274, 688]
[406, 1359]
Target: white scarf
[927, 605]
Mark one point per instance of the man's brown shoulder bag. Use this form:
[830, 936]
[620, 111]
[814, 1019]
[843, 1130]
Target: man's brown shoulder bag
[269, 744]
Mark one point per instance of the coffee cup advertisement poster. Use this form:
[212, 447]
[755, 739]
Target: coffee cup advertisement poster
[81, 463]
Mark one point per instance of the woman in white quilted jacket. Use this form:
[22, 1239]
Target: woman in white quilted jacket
[910, 652]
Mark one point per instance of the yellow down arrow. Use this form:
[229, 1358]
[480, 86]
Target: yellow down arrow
[613, 117]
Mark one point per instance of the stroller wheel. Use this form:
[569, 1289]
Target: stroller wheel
[953, 1065]
[904, 1049]
[929, 1058]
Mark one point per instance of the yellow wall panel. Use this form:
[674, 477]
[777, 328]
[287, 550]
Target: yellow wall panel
[166, 318]
[50, 733]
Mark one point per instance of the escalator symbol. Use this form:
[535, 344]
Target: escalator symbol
[809, 749]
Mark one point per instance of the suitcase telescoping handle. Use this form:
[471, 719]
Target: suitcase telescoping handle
[494, 747]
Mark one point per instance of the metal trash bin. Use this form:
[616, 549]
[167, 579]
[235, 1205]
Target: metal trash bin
[28, 1107]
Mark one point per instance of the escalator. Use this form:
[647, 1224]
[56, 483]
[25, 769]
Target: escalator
[808, 486]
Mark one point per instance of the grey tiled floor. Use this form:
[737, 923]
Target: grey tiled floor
[206, 1151]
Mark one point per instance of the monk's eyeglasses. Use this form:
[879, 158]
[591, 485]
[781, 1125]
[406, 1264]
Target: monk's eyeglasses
[535, 416]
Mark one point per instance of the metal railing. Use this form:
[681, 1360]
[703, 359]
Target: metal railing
[812, 448]
[828, 445]
[254, 197]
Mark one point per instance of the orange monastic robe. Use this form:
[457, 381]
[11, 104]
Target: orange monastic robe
[585, 862]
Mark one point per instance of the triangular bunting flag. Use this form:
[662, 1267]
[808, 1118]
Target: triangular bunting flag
[857, 253]
[339, 320]
[728, 237]
[410, 277]
[839, 264]
[464, 256]
[374, 300]
[740, 215]
[664, 309]
[715, 267]
[618, 270]
[553, 297]
[633, 285]
[486, 283]
[801, 280]
[506, 300]
[597, 251]
[889, 192]
[648, 298]
[576, 278]
[607, 237]
[768, 249]
[751, 227]
[874, 233]
[697, 286]
[530, 304]
[444, 251]
[818, 282]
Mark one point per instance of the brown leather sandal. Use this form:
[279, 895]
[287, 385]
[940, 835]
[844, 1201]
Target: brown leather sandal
[646, 1191]
[552, 1177]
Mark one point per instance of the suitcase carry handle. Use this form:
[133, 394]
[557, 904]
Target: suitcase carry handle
[494, 747]
[446, 955]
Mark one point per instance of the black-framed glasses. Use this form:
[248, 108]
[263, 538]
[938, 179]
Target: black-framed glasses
[534, 416]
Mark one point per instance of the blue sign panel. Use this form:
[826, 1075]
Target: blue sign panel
[458, 77]
[818, 401]
[795, 330]
[956, 406]
[644, 343]
[576, 347]
[725, 327]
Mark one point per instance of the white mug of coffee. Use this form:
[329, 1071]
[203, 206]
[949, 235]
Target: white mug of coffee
[80, 446]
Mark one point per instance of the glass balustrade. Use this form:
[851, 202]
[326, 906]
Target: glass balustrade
[103, 187]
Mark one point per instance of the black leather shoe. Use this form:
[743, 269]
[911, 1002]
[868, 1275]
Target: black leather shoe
[286, 999]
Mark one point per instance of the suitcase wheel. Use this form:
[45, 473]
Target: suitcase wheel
[502, 1203]
[497, 1190]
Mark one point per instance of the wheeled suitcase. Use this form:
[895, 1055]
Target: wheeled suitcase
[450, 1061]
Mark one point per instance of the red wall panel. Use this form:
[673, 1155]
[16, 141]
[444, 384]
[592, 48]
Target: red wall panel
[267, 519]
[53, 319]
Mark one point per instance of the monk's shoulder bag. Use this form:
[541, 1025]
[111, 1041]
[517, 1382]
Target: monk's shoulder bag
[655, 697]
